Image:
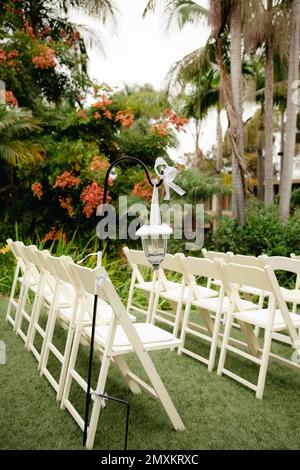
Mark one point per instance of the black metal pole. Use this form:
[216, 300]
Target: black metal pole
[100, 246]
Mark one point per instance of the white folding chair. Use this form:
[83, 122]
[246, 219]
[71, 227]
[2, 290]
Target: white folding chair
[66, 316]
[66, 285]
[112, 343]
[213, 255]
[249, 291]
[137, 261]
[28, 308]
[271, 319]
[297, 284]
[291, 296]
[44, 297]
[175, 296]
[18, 282]
[210, 309]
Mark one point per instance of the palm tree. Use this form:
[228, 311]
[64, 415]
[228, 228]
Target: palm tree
[219, 15]
[15, 146]
[268, 170]
[202, 94]
[239, 201]
[292, 101]
[222, 13]
[266, 31]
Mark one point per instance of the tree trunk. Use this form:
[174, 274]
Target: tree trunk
[282, 130]
[197, 160]
[291, 115]
[260, 157]
[219, 163]
[269, 190]
[239, 195]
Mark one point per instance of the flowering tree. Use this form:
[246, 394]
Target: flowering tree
[42, 54]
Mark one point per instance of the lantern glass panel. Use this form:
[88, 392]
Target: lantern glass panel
[155, 248]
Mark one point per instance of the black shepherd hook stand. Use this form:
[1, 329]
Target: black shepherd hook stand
[99, 254]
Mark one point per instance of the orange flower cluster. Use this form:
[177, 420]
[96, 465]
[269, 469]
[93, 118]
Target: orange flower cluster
[160, 128]
[92, 197]
[125, 118]
[66, 180]
[9, 57]
[107, 114]
[29, 30]
[55, 234]
[178, 121]
[82, 114]
[142, 190]
[67, 203]
[11, 99]
[37, 189]
[45, 58]
[13, 53]
[99, 164]
[102, 102]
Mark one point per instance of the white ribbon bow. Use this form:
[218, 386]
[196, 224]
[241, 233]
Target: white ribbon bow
[167, 174]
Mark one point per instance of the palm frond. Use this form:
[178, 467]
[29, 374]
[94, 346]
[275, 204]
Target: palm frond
[105, 10]
[183, 12]
[20, 152]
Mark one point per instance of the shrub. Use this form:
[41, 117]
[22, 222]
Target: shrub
[262, 233]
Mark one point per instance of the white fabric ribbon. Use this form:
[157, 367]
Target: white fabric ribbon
[167, 174]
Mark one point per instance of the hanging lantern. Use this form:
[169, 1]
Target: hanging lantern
[155, 235]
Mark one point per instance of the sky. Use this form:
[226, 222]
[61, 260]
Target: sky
[141, 51]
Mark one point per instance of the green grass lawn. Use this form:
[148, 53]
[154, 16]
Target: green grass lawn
[218, 413]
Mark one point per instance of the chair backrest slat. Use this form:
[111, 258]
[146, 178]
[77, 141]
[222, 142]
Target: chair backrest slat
[136, 257]
[245, 260]
[200, 267]
[247, 275]
[281, 263]
[212, 255]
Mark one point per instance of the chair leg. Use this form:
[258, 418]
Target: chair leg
[156, 299]
[12, 293]
[150, 311]
[264, 364]
[185, 322]
[130, 295]
[214, 342]
[34, 319]
[21, 307]
[177, 319]
[259, 306]
[71, 365]
[228, 325]
[162, 393]
[97, 402]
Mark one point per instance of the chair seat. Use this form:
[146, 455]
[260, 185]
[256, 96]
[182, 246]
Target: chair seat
[104, 313]
[260, 318]
[147, 286]
[251, 290]
[212, 304]
[174, 294]
[291, 295]
[62, 301]
[151, 336]
[32, 280]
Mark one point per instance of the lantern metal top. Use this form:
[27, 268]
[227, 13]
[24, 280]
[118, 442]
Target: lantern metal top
[154, 230]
